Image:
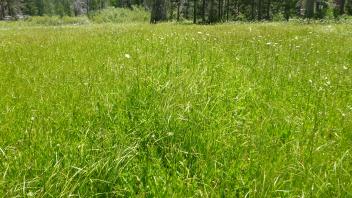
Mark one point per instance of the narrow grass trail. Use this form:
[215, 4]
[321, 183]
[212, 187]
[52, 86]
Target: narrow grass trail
[258, 110]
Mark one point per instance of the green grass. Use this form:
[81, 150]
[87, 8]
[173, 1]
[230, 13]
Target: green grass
[256, 110]
[46, 21]
[55, 20]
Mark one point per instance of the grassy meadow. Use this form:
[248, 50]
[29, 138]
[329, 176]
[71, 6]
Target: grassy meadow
[236, 110]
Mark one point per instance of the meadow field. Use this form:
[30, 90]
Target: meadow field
[167, 110]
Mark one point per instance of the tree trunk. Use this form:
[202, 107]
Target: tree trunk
[287, 10]
[227, 9]
[2, 10]
[194, 11]
[186, 5]
[129, 4]
[268, 10]
[259, 10]
[158, 12]
[349, 7]
[219, 10]
[237, 8]
[203, 11]
[309, 8]
[342, 7]
[178, 10]
[172, 7]
[87, 2]
[252, 10]
[212, 12]
[9, 8]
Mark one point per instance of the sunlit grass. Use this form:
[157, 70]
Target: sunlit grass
[141, 110]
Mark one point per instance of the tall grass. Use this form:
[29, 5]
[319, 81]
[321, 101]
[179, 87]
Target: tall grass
[56, 20]
[137, 110]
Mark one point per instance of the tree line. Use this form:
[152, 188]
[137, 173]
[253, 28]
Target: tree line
[199, 11]
[16, 8]
[213, 11]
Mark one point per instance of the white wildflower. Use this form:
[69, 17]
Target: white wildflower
[170, 133]
[128, 56]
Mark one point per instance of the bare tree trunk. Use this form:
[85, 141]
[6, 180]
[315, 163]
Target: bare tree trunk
[178, 10]
[2, 10]
[227, 9]
[158, 11]
[194, 11]
[129, 4]
[252, 10]
[342, 6]
[268, 10]
[309, 8]
[219, 10]
[287, 10]
[237, 8]
[87, 2]
[259, 10]
[349, 7]
[9, 7]
[172, 7]
[186, 5]
[203, 11]
[212, 12]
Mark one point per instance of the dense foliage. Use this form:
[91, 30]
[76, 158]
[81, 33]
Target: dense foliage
[206, 11]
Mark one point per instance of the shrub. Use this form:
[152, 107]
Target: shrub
[279, 17]
[120, 15]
